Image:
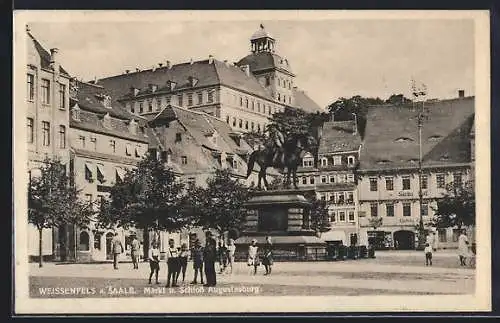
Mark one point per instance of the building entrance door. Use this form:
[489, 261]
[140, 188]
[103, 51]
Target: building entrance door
[404, 240]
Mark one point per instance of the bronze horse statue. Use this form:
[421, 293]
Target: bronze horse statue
[288, 156]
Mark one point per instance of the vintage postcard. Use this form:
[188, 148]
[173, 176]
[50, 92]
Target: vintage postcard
[251, 161]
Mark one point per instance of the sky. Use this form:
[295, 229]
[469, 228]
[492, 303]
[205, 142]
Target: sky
[331, 58]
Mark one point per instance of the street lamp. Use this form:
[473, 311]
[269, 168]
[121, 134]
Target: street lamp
[421, 92]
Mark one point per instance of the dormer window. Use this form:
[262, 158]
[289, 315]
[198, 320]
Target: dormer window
[435, 138]
[351, 160]
[178, 137]
[153, 87]
[106, 121]
[308, 160]
[75, 113]
[171, 85]
[324, 162]
[403, 139]
[337, 160]
[134, 91]
[193, 81]
[184, 160]
[132, 126]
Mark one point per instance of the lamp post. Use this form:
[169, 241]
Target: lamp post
[421, 92]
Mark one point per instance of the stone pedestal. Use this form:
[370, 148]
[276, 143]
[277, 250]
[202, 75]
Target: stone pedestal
[284, 216]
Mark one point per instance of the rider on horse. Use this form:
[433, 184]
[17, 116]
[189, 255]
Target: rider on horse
[277, 141]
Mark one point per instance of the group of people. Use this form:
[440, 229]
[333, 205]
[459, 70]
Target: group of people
[266, 257]
[466, 254]
[204, 259]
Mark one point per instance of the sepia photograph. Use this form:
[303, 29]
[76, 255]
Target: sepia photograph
[251, 161]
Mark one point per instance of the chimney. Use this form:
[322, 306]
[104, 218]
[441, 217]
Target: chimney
[127, 71]
[160, 64]
[210, 59]
[246, 69]
[168, 65]
[53, 58]
[461, 94]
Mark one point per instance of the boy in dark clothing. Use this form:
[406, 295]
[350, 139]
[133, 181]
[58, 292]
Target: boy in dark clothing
[172, 263]
[197, 256]
[428, 255]
[209, 257]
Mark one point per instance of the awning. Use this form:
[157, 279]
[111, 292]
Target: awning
[120, 173]
[128, 150]
[100, 171]
[89, 167]
[334, 236]
[139, 152]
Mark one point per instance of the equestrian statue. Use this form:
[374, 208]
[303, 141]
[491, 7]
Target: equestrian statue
[280, 152]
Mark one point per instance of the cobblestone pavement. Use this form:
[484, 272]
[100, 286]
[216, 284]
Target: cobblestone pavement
[354, 277]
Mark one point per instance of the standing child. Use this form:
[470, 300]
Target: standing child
[253, 257]
[428, 254]
[183, 259]
[197, 256]
[154, 262]
[172, 256]
[231, 249]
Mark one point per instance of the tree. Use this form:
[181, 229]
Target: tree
[53, 202]
[398, 99]
[375, 222]
[149, 198]
[457, 207]
[318, 213]
[219, 205]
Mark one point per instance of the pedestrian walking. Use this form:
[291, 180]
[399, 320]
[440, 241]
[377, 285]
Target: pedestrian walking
[231, 250]
[267, 258]
[183, 259]
[463, 248]
[117, 247]
[197, 256]
[209, 257]
[154, 262]
[134, 251]
[253, 257]
[222, 256]
[172, 256]
[428, 254]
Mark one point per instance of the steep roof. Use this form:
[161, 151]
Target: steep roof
[44, 55]
[263, 61]
[338, 136]
[304, 102]
[206, 74]
[391, 135]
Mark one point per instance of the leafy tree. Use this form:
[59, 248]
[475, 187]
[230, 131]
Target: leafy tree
[318, 213]
[398, 99]
[375, 222]
[457, 207]
[148, 198]
[219, 205]
[53, 202]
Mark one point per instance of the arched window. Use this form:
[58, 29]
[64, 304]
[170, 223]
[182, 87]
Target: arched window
[84, 241]
[324, 162]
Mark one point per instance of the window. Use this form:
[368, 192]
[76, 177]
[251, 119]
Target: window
[374, 209]
[442, 235]
[246, 103]
[81, 140]
[178, 137]
[45, 91]
[191, 182]
[304, 180]
[269, 109]
[341, 198]
[234, 122]
[227, 119]
[141, 108]
[112, 143]
[241, 101]
[30, 130]
[311, 180]
[350, 178]
[179, 99]
[258, 106]
[31, 87]
[89, 175]
[211, 96]
[342, 216]
[332, 217]
[97, 241]
[424, 182]
[440, 180]
[246, 125]
[337, 160]
[62, 96]
[268, 81]
[350, 198]
[373, 184]
[184, 160]
[128, 150]
[406, 209]
[324, 162]
[84, 241]
[240, 123]
[168, 99]
[253, 105]
[456, 234]
[323, 179]
[252, 126]
[332, 178]
[351, 216]
[200, 97]
[322, 197]
[351, 160]
[190, 99]
[132, 109]
[425, 209]
[93, 140]
[406, 182]
[389, 183]
[279, 96]
[457, 179]
[62, 137]
[46, 133]
[389, 209]
[158, 104]
[150, 105]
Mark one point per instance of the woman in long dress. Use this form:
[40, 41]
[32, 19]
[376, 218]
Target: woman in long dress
[253, 259]
[267, 258]
[463, 248]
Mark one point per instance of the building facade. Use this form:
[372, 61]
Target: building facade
[334, 179]
[389, 173]
[47, 122]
